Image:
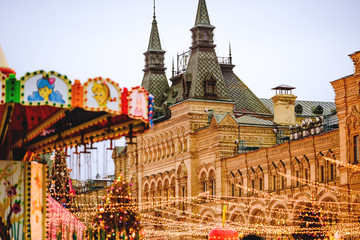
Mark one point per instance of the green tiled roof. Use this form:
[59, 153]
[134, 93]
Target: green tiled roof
[119, 149]
[154, 41]
[157, 85]
[154, 80]
[219, 117]
[202, 63]
[245, 100]
[202, 16]
[173, 94]
[249, 120]
[307, 106]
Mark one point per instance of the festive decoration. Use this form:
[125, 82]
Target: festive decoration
[60, 184]
[41, 88]
[151, 109]
[61, 224]
[117, 217]
[223, 233]
[311, 223]
[138, 103]
[42, 107]
[11, 199]
[22, 200]
[102, 95]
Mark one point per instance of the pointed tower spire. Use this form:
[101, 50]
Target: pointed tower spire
[154, 80]
[203, 78]
[202, 32]
[173, 68]
[154, 41]
[230, 57]
[202, 16]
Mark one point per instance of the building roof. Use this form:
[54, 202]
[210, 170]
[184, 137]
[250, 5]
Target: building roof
[245, 100]
[202, 16]
[219, 117]
[249, 120]
[154, 80]
[154, 41]
[119, 149]
[309, 108]
[283, 86]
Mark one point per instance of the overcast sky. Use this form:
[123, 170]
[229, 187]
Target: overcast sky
[302, 43]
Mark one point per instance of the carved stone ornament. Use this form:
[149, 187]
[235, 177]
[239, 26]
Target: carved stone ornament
[352, 121]
[352, 125]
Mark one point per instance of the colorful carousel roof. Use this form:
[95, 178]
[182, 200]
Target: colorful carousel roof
[44, 110]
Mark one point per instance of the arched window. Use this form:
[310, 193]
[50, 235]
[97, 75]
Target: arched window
[159, 192]
[172, 190]
[152, 193]
[166, 192]
[272, 177]
[283, 182]
[322, 174]
[274, 182]
[146, 193]
[298, 109]
[297, 178]
[212, 185]
[203, 182]
[332, 171]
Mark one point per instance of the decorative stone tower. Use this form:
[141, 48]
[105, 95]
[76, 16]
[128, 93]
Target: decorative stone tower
[203, 78]
[284, 105]
[154, 80]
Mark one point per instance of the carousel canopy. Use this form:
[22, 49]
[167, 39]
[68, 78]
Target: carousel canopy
[44, 110]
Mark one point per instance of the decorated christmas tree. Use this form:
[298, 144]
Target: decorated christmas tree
[60, 186]
[310, 222]
[117, 216]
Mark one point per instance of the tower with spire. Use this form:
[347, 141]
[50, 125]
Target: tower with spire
[154, 80]
[203, 78]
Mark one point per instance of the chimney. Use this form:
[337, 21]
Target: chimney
[284, 105]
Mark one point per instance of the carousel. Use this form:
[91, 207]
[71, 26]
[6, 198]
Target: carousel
[44, 111]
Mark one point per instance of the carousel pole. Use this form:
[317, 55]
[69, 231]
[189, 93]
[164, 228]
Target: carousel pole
[223, 215]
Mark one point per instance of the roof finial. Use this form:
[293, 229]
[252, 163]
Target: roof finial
[173, 68]
[230, 57]
[154, 10]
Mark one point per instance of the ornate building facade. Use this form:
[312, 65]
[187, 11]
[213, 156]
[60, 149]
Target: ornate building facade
[214, 143]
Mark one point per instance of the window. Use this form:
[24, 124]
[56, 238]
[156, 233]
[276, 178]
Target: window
[298, 109]
[356, 149]
[297, 178]
[240, 190]
[322, 174]
[232, 190]
[274, 183]
[210, 88]
[306, 174]
[260, 184]
[204, 186]
[212, 186]
[283, 182]
[332, 171]
[183, 195]
[210, 85]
